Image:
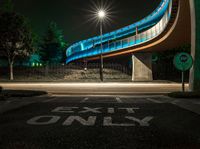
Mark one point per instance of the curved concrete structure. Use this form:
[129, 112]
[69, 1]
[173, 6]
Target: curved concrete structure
[168, 26]
[177, 33]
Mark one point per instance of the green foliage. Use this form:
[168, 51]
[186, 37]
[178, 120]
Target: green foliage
[169, 54]
[7, 6]
[53, 46]
[15, 37]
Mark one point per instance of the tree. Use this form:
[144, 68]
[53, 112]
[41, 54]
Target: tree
[53, 45]
[7, 6]
[15, 38]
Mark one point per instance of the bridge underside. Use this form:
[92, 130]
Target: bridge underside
[177, 33]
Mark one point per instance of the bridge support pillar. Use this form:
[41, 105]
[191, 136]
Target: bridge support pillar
[195, 19]
[142, 67]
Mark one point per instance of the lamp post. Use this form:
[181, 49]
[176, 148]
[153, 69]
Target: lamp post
[101, 15]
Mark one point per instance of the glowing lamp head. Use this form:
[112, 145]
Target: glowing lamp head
[101, 14]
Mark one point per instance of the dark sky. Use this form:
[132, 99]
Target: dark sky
[72, 15]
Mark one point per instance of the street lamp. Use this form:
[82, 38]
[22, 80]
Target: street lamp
[101, 15]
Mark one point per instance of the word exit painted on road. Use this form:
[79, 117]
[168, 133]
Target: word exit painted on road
[75, 115]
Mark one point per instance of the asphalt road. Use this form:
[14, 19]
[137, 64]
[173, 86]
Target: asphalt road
[100, 122]
[97, 88]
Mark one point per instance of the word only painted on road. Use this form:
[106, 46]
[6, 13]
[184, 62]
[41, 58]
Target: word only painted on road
[108, 121]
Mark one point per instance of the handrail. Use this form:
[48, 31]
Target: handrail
[148, 34]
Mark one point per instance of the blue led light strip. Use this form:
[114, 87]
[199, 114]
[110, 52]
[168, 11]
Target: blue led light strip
[150, 27]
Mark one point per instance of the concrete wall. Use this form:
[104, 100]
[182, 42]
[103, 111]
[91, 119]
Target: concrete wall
[195, 30]
[142, 67]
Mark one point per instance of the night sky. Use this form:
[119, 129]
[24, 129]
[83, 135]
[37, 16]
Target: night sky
[72, 15]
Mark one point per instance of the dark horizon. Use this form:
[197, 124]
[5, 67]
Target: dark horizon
[72, 16]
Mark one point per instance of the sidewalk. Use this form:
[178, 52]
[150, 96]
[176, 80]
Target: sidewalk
[97, 88]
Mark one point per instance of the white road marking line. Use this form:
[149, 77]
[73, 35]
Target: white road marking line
[85, 99]
[119, 100]
[175, 101]
[49, 100]
[153, 100]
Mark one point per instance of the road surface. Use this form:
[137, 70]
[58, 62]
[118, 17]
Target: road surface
[100, 122]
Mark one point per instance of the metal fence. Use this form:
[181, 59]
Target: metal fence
[57, 71]
[161, 71]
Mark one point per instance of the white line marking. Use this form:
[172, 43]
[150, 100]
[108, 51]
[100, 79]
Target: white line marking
[119, 100]
[153, 100]
[85, 99]
[35, 120]
[85, 122]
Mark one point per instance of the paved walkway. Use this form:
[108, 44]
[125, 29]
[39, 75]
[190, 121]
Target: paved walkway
[97, 88]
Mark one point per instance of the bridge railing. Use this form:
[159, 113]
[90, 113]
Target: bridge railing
[134, 40]
[143, 24]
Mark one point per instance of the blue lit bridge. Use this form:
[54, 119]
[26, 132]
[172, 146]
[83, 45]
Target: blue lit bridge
[165, 28]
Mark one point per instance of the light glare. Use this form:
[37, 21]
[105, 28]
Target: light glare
[101, 14]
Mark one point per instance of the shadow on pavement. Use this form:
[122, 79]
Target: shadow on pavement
[21, 93]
